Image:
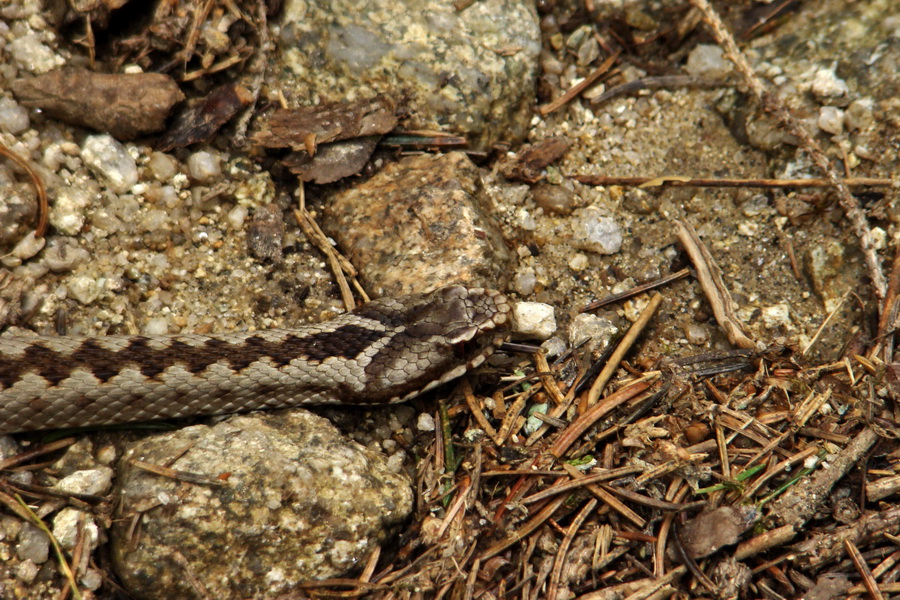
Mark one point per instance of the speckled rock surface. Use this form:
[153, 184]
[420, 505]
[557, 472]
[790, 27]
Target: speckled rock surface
[470, 72]
[296, 502]
[420, 223]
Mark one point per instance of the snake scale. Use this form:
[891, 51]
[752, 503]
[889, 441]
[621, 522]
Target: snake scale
[388, 350]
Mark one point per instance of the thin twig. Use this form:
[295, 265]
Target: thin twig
[824, 324]
[638, 289]
[43, 204]
[533, 523]
[576, 89]
[729, 182]
[624, 346]
[863, 569]
[547, 382]
[60, 555]
[559, 560]
[574, 431]
[803, 500]
[607, 498]
[339, 264]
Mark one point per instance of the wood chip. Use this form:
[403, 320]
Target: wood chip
[126, 105]
[710, 277]
[295, 127]
[205, 116]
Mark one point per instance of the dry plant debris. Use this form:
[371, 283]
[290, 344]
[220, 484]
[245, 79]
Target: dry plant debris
[607, 503]
[122, 104]
[328, 142]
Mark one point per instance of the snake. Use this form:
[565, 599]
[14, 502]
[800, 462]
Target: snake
[385, 351]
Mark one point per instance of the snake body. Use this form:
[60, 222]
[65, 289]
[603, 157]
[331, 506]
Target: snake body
[385, 351]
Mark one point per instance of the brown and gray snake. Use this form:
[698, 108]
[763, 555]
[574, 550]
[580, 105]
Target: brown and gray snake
[385, 351]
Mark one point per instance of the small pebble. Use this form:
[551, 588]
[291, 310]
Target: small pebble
[107, 454]
[640, 201]
[236, 217]
[555, 346]
[83, 288]
[826, 85]
[524, 281]
[525, 219]
[163, 166]
[579, 262]
[860, 115]
[696, 334]
[67, 216]
[588, 51]
[534, 320]
[28, 246]
[777, 315]
[554, 199]
[26, 572]
[11, 262]
[587, 326]
[156, 326]
[13, 117]
[65, 529]
[532, 424]
[204, 166]
[92, 579]
[33, 544]
[474, 435]
[425, 422]
[708, 61]
[595, 233]
[8, 446]
[88, 481]
[110, 160]
[33, 55]
[64, 254]
[755, 205]
[396, 462]
[831, 120]
[154, 220]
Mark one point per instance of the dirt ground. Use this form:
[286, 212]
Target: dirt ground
[744, 444]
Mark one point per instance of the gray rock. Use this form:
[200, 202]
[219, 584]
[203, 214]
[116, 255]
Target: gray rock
[33, 55]
[599, 330]
[64, 254]
[595, 233]
[534, 320]
[825, 266]
[66, 526]
[28, 246]
[290, 500]
[419, 224]
[90, 481]
[13, 117]
[67, 216]
[471, 72]
[831, 120]
[110, 160]
[33, 544]
[205, 166]
[84, 288]
[708, 60]
[26, 572]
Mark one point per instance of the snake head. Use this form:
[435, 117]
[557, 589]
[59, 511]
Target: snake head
[442, 335]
